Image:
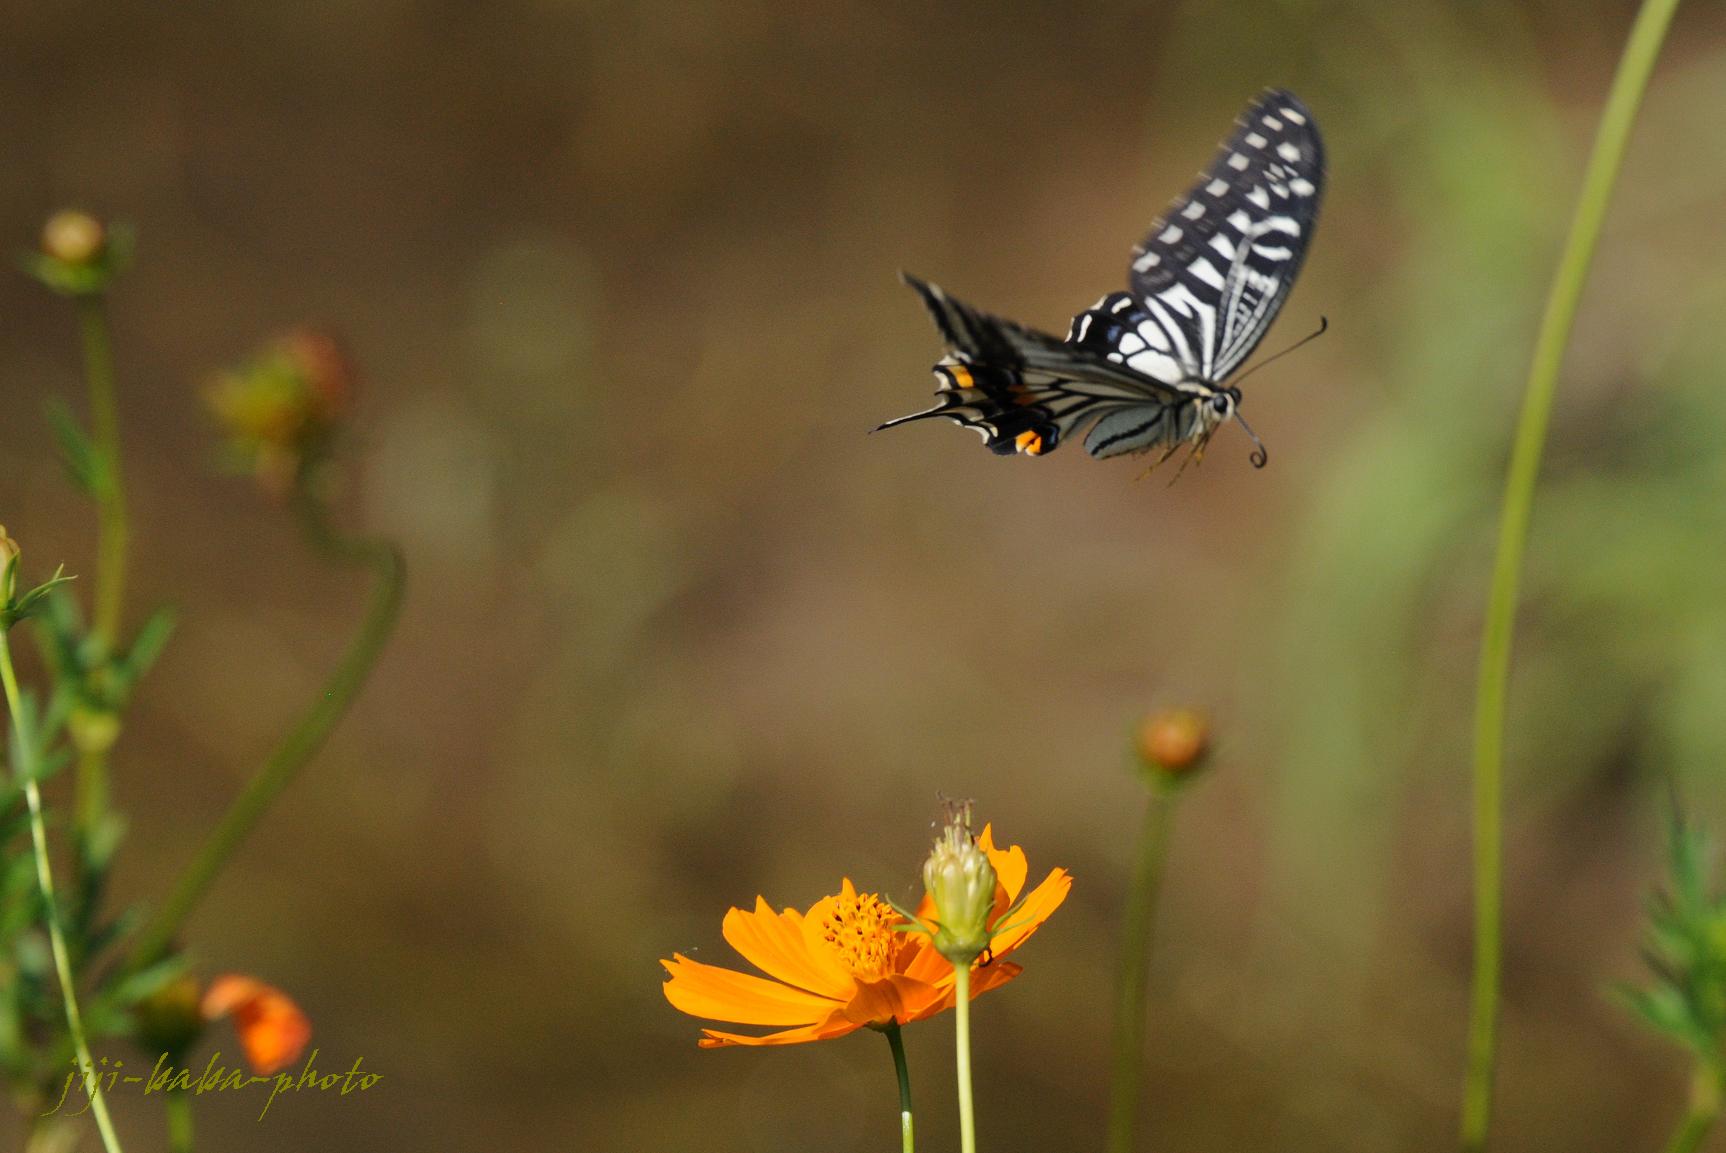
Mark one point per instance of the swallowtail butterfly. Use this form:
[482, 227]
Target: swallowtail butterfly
[1147, 367]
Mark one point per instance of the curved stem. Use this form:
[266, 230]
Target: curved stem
[24, 741]
[1491, 688]
[304, 740]
[897, 1044]
[113, 532]
[962, 1056]
[1137, 930]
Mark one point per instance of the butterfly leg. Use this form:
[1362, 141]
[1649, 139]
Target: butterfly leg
[1195, 457]
[1155, 464]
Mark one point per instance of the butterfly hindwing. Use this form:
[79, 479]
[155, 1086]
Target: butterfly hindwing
[1025, 391]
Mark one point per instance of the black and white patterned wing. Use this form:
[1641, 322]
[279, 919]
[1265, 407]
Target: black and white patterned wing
[1025, 391]
[1214, 269]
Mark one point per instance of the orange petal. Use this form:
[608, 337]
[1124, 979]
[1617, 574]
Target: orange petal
[919, 960]
[875, 1003]
[272, 1029]
[1009, 863]
[916, 996]
[725, 995]
[774, 943]
[1029, 916]
[834, 1025]
[990, 976]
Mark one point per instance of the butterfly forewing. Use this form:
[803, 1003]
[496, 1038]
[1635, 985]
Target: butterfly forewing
[1215, 267]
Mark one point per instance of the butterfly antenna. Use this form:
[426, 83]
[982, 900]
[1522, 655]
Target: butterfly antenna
[1259, 456]
[1323, 327]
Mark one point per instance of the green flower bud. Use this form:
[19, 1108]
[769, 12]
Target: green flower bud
[93, 730]
[74, 237]
[9, 551]
[961, 883]
[170, 1019]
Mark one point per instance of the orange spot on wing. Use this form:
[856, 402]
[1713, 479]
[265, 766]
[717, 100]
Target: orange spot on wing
[1030, 443]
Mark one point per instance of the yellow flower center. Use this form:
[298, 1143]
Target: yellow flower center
[860, 929]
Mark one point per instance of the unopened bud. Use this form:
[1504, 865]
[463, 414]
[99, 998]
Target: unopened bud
[9, 549]
[1175, 741]
[74, 237]
[170, 1019]
[325, 367]
[961, 883]
[93, 730]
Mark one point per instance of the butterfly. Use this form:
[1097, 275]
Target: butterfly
[1148, 367]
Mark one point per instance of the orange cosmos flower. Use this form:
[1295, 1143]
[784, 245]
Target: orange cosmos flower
[842, 965]
[273, 1031]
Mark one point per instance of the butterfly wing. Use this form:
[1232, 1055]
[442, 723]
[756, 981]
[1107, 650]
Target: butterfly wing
[1214, 269]
[1025, 391]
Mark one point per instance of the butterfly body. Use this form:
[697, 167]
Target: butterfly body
[1147, 367]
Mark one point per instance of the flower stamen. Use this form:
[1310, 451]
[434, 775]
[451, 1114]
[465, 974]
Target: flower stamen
[861, 930]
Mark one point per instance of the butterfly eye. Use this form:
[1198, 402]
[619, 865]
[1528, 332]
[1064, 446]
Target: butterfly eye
[1220, 404]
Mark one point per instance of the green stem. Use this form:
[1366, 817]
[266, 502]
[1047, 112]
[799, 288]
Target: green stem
[113, 532]
[962, 1056]
[24, 741]
[1703, 1112]
[1137, 930]
[110, 487]
[178, 1105]
[898, 1046]
[1491, 689]
[304, 740]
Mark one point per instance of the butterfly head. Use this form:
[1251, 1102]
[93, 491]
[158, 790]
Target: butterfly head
[1220, 407]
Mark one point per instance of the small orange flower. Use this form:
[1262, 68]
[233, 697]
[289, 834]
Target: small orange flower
[843, 965]
[273, 1031]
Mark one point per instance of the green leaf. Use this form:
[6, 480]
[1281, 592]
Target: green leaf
[1661, 1007]
[152, 638]
[84, 465]
[137, 986]
[32, 602]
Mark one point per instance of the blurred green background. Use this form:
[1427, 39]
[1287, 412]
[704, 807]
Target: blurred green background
[621, 278]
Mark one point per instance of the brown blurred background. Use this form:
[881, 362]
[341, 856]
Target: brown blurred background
[622, 280]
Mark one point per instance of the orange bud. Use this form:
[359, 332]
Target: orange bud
[74, 237]
[1174, 741]
[326, 368]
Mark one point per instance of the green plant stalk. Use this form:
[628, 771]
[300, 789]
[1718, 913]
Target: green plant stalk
[906, 1142]
[303, 741]
[110, 489]
[113, 533]
[1492, 685]
[962, 1056]
[1703, 1112]
[25, 741]
[178, 1106]
[1137, 931]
